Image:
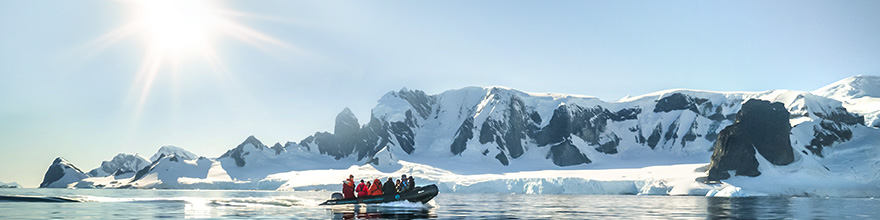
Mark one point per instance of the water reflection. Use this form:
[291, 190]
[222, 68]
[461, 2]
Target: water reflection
[381, 212]
[792, 207]
[137, 204]
[749, 208]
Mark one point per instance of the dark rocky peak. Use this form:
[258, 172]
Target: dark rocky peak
[61, 167]
[253, 141]
[63, 161]
[770, 129]
[759, 125]
[346, 123]
[239, 152]
[278, 148]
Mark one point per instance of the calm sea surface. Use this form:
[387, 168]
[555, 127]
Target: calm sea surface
[174, 204]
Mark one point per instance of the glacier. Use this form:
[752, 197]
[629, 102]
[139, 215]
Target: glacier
[501, 140]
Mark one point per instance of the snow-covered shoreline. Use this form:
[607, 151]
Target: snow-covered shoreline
[668, 180]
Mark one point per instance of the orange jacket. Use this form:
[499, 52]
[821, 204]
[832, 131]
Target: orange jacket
[376, 188]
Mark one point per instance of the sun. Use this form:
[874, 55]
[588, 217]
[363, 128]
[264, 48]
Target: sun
[176, 33]
[179, 25]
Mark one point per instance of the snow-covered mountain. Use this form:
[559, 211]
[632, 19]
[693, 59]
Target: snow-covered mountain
[860, 94]
[174, 150]
[61, 174]
[480, 131]
[121, 163]
[488, 129]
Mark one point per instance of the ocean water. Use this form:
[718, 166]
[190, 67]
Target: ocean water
[231, 204]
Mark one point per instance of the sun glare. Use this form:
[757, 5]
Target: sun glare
[178, 25]
[177, 33]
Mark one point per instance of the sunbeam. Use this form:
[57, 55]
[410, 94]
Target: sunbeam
[178, 30]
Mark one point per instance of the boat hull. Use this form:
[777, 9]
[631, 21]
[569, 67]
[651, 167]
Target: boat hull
[419, 194]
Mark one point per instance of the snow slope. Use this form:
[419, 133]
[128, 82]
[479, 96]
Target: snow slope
[174, 150]
[121, 163]
[859, 94]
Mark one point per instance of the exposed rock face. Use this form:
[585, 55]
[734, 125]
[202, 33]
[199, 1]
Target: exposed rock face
[61, 173]
[565, 154]
[506, 124]
[121, 163]
[510, 121]
[350, 138]
[239, 152]
[760, 125]
[173, 150]
[678, 101]
[277, 148]
[834, 127]
[141, 173]
[510, 130]
[465, 132]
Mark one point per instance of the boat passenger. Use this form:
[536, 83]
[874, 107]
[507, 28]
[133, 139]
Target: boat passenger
[348, 187]
[399, 186]
[376, 188]
[403, 182]
[361, 189]
[368, 187]
[411, 183]
[389, 188]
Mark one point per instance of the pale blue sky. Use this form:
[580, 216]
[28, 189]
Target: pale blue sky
[61, 94]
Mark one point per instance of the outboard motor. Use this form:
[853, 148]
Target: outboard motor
[336, 196]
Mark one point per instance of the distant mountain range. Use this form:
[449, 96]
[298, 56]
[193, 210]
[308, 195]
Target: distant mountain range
[476, 130]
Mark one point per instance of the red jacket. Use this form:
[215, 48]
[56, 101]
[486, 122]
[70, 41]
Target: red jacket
[348, 189]
[361, 190]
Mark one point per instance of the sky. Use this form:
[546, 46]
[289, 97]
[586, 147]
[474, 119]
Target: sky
[89, 79]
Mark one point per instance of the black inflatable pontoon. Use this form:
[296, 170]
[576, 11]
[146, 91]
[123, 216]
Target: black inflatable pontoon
[35, 199]
[421, 194]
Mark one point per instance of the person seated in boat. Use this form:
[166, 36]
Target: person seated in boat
[398, 186]
[411, 183]
[361, 189]
[367, 188]
[403, 182]
[388, 187]
[376, 188]
[348, 187]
